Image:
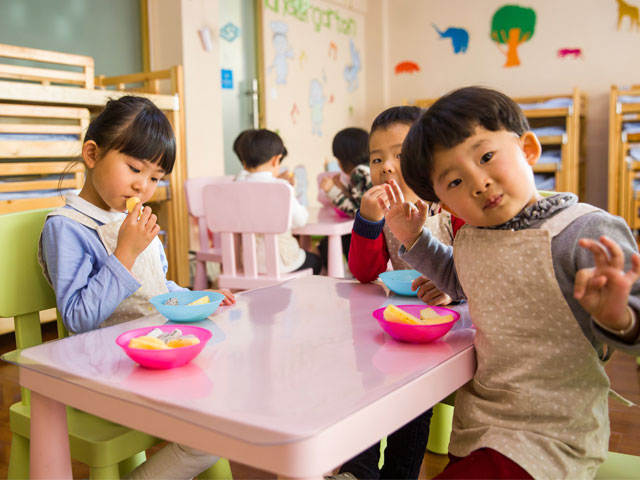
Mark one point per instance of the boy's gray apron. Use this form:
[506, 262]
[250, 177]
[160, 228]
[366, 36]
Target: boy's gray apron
[147, 268]
[539, 395]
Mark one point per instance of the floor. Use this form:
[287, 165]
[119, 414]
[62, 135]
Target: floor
[625, 421]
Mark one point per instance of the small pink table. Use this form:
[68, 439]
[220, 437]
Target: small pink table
[325, 221]
[297, 378]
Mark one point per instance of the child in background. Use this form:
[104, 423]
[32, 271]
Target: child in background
[262, 151]
[105, 265]
[345, 189]
[372, 243]
[549, 281]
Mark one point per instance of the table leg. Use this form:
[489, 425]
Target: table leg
[335, 267]
[49, 448]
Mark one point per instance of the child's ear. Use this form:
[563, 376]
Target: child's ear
[531, 147]
[90, 153]
[275, 160]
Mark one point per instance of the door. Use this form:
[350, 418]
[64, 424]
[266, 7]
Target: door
[239, 71]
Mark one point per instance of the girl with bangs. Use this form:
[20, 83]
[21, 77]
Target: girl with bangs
[105, 265]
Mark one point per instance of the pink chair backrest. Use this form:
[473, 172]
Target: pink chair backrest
[248, 208]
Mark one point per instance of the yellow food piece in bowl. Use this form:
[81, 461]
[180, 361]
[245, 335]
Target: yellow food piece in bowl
[182, 342]
[131, 203]
[148, 343]
[394, 314]
[200, 301]
[428, 316]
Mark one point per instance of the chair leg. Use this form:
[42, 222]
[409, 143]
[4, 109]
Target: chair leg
[110, 472]
[440, 429]
[18, 457]
[127, 466]
[221, 470]
[200, 279]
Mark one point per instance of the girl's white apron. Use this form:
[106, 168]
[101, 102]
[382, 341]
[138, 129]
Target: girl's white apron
[147, 268]
[539, 395]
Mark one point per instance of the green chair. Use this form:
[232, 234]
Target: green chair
[109, 449]
[619, 466]
[440, 426]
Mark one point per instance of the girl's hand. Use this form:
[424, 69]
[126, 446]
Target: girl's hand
[135, 235]
[326, 183]
[404, 218]
[228, 299]
[603, 290]
[369, 207]
[289, 176]
[429, 293]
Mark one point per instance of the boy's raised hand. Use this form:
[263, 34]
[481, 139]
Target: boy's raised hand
[603, 290]
[404, 218]
[369, 207]
[135, 235]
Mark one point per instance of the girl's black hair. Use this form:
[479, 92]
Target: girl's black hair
[256, 147]
[449, 122]
[237, 144]
[351, 147]
[403, 114]
[134, 126]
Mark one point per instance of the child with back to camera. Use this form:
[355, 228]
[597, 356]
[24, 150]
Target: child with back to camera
[90, 247]
[262, 151]
[549, 282]
[372, 243]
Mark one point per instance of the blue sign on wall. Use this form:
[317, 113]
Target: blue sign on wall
[227, 78]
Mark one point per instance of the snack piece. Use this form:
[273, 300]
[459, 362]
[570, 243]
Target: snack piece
[131, 203]
[394, 314]
[173, 301]
[200, 301]
[428, 316]
[148, 343]
[183, 342]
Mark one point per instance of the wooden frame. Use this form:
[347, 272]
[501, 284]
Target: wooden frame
[567, 172]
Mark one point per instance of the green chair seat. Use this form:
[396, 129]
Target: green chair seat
[619, 466]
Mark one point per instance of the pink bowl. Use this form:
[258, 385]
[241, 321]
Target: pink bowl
[416, 333]
[341, 213]
[163, 359]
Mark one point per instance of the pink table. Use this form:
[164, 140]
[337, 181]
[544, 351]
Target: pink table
[297, 378]
[325, 221]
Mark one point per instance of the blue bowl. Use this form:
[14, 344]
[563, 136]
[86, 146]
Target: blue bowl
[399, 281]
[182, 312]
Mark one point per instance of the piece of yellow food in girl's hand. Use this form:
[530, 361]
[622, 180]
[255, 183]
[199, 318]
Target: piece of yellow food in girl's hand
[394, 314]
[200, 301]
[428, 316]
[148, 343]
[131, 203]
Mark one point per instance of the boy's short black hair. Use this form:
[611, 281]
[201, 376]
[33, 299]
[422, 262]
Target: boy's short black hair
[256, 147]
[449, 122]
[404, 114]
[351, 147]
[237, 149]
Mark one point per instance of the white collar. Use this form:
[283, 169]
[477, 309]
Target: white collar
[266, 175]
[90, 210]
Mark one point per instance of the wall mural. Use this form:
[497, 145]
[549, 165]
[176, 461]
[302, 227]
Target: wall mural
[459, 38]
[316, 102]
[406, 67]
[352, 69]
[570, 52]
[512, 25]
[282, 51]
[627, 10]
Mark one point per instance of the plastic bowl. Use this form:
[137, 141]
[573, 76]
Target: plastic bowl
[341, 214]
[163, 359]
[416, 333]
[399, 281]
[182, 312]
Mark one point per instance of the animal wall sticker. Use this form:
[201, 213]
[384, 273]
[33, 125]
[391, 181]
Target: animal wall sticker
[283, 51]
[459, 37]
[406, 67]
[512, 25]
[627, 10]
[316, 103]
[351, 70]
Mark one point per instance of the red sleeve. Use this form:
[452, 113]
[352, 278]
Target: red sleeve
[367, 257]
[456, 223]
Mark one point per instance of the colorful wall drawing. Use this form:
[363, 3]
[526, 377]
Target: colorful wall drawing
[333, 50]
[406, 67]
[283, 51]
[570, 52]
[230, 32]
[512, 25]
[459, 38]
[316, 103]
[627, 10]
[351, 70]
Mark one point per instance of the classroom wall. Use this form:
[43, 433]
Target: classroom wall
[608, 56]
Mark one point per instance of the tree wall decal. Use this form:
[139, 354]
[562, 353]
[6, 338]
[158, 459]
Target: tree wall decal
[511, 26]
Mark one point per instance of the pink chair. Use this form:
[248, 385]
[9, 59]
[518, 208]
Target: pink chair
[209, 251]
[249, 209]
